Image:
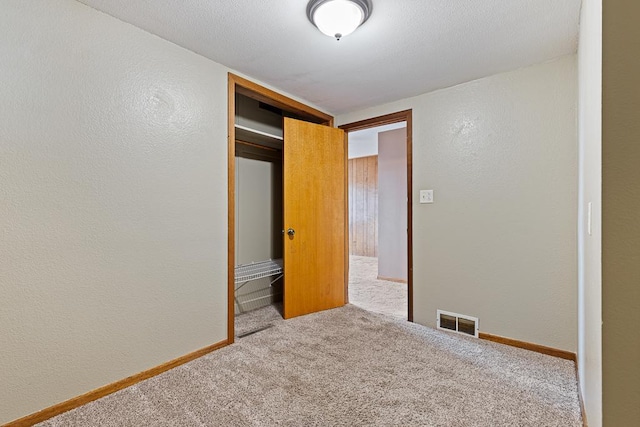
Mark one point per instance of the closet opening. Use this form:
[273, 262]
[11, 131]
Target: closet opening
[258, 206]
[380, 247]
[263, 126]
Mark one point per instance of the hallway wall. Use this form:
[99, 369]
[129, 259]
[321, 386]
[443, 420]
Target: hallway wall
[392, 204]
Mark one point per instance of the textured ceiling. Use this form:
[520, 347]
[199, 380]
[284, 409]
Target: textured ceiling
[406, 48]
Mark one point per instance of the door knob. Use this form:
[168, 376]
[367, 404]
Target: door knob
[291, 232]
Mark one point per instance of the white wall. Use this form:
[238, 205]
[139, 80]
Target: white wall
[392, 204]
[113, 203]
[113, 213]
[590, 245]
[500, 240]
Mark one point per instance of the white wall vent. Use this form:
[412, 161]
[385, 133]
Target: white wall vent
[459, 323]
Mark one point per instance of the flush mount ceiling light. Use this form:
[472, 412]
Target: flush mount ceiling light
[338, 18]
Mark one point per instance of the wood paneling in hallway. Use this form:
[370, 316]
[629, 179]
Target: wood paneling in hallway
[363, 206]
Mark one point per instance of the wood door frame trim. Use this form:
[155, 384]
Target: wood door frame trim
[237, 84]
[387, 119]
[268, 96]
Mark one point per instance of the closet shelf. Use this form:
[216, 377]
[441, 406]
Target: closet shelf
[257, 270]
[254, 136]
[254, 271]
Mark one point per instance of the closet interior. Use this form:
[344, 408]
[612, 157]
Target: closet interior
[286, 164]
[259, 142]
[258, 204]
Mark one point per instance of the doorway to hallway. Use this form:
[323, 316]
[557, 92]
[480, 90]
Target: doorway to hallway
[379, 184]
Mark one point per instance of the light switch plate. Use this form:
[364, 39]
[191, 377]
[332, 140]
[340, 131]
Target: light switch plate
[426, 196]
[589, 218]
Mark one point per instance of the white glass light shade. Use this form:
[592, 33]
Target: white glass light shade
[338, 18]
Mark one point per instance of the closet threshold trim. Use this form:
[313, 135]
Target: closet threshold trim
[258, 270]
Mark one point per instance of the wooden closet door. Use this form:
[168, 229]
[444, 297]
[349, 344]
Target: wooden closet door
[315, 212]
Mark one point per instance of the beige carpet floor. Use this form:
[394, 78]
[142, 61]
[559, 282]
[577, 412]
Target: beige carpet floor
[379, 296]
[365, 291]
[348, 367]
